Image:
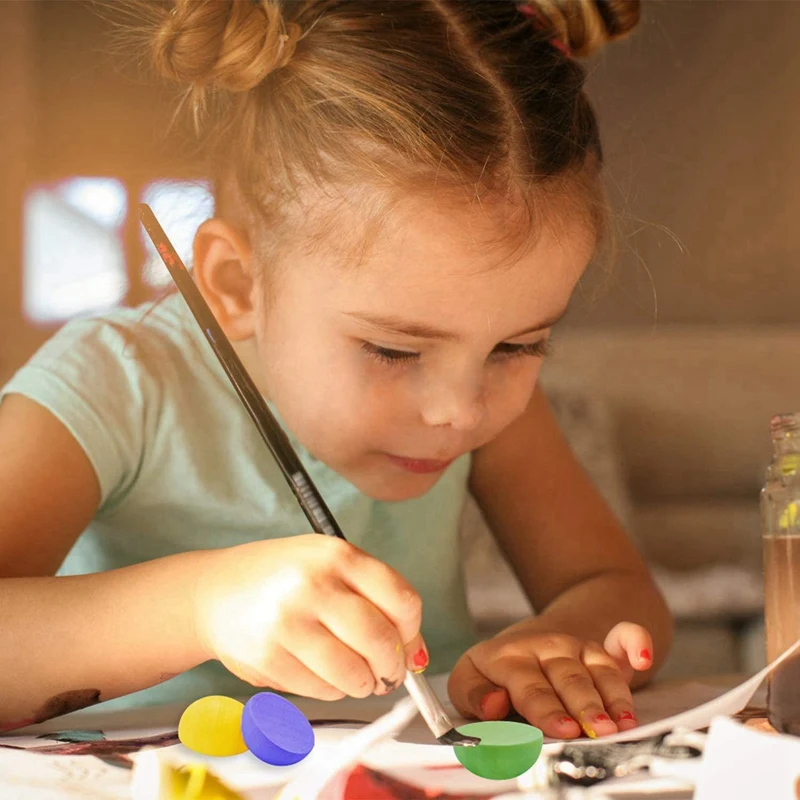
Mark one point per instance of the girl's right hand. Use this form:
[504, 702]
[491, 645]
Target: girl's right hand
[310, 615]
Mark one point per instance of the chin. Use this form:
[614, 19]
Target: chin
[396, 491]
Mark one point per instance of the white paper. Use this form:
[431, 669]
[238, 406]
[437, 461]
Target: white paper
[31, 776]
[728, 704]
[312, 783]
[766, 765]
[412, 756]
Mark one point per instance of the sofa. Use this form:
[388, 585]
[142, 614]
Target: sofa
[673, 426]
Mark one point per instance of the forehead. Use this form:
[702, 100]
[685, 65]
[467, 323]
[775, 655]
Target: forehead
[423, 258]
[464, 240]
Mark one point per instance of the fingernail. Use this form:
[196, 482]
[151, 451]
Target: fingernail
[626, 715]
[567, 721]
[602, 718]
[485, 700]
[586, 728]
[419, 660]
[645, 655]
[416, 654]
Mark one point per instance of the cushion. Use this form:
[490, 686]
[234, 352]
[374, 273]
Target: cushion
[692, 402]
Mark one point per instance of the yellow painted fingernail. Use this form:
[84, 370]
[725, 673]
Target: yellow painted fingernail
[585, 726]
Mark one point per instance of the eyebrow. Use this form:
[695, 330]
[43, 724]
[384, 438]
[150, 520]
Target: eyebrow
[418, 330]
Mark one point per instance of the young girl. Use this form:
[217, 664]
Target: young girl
[407, 194]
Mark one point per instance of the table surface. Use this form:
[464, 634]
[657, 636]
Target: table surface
[655, 701]
[659, 700]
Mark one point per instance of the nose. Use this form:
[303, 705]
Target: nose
[456, 404]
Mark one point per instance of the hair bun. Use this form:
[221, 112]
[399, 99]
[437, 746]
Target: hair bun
[586, 25]
[230, 44]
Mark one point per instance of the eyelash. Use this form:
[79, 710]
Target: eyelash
[394, 358]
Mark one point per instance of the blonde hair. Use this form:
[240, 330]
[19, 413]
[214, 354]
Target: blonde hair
[289, 95]
[587, 26]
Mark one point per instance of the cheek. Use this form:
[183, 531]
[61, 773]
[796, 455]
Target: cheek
[330, 391]
[510, 392]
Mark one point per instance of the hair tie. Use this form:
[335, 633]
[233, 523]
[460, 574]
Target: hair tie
[533, 13]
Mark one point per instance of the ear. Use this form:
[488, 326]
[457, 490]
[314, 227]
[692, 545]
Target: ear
[224, 275]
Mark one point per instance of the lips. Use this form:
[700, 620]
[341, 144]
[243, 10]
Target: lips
[420, 465]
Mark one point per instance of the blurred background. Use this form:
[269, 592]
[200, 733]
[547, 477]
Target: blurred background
[670, 363]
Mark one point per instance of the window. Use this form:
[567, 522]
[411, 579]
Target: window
[76, 261]
[180, 207]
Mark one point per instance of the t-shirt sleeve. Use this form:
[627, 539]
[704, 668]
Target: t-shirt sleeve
[93, 376]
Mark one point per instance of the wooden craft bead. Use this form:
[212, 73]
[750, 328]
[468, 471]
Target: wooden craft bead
[213, 726]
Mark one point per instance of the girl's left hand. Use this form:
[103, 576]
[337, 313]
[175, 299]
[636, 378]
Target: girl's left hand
[557, 682]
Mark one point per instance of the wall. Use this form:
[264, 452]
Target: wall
[17, 112]
[700, 118]
[701, 122]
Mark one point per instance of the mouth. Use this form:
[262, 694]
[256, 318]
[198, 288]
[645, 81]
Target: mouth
[420, 465]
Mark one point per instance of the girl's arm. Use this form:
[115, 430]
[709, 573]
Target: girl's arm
[312, 615]
[69, 642]
[576, 564]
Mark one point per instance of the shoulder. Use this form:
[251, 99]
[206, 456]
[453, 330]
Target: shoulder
[107, 379]
[133, 345]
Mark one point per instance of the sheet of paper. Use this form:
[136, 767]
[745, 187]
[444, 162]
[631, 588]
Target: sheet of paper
[659, 709]
[767, 765]
[412, 752]
[31, 776]
[728, 704]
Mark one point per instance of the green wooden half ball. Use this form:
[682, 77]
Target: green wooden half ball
[507, 749]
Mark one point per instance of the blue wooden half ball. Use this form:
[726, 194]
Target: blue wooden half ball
[275, 730]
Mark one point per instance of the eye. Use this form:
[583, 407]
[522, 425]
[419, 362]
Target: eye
[385, 355]
[535, 349]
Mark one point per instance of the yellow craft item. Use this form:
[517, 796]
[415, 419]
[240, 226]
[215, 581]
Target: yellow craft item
[213, 726]
[788, 517]
[195, 782]
[789, 463]
[157, 776]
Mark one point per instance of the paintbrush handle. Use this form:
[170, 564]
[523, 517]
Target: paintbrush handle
[307, 494]
[427, 702]
[305, 491]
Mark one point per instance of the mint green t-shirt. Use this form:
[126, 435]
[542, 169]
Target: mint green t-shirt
[181, 467]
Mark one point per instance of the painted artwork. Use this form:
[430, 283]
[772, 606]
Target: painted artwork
[68, 759]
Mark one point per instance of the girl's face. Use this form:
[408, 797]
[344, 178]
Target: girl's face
[388, 369]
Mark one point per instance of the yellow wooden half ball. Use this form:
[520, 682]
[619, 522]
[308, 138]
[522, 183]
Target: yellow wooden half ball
[213, 726]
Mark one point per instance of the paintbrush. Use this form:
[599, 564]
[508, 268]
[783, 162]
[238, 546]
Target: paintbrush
[307, 494]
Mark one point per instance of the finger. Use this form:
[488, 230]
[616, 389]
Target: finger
[362, 627]
[285, 673]
[474, 695]
[631, 646]
[393, 595]
[528, 690]
[535, 697]
[575, 687]
[611, 685]
[334, 662]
